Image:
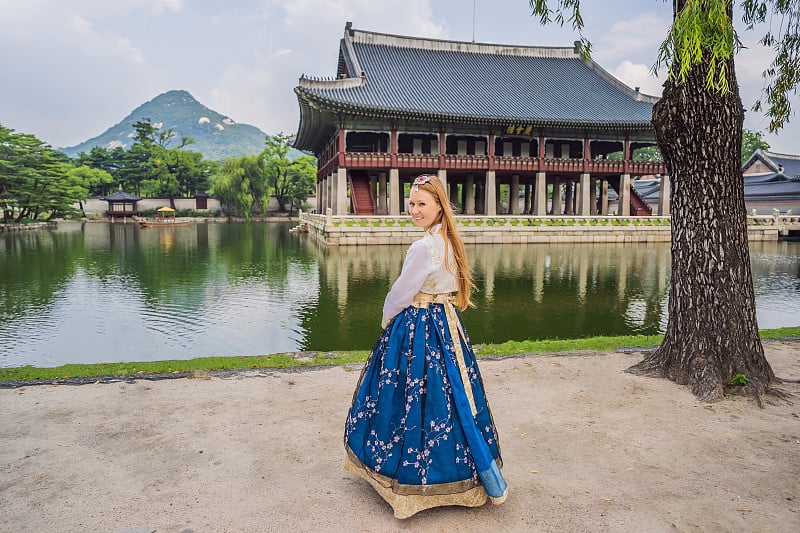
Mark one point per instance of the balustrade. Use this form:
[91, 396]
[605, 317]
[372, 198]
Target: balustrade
[383, 160]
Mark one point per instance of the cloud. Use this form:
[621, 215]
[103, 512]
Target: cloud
[638, 75]
[407, 17]
[635, 39]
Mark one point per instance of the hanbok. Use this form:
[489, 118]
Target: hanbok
[419, 429]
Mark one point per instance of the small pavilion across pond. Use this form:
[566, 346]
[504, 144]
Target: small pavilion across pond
[121, 204]
[509, 129]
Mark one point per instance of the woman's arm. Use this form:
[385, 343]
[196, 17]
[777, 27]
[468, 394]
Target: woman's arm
[416, 267]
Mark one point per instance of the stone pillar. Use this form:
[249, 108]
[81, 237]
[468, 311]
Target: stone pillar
[442, 175]
[540, 194]
[329, 182]
[498, 207]
[341, 191]
[454, 195]
[490, 194]
[604, 197]
[382, 193]
[480, 198]
[569, 198]
[526, 208]
[373, 189]
[513, 195]
[557, 197]
[394, 191]
[319, 208]
[663, 196]
[469, 195]
[585, 207]
[593, 196]
[624, 209]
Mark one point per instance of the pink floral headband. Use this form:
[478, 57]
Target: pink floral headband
[420, 180]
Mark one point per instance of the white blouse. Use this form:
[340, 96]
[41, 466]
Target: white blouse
[423, 271]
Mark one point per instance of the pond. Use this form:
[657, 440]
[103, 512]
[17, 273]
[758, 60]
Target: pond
[100, 292]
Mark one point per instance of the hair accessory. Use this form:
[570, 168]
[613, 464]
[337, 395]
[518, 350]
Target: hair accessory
[420, 180]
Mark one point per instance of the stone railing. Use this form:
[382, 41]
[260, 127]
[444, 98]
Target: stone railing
[7, 228]
[781, 223]
[338, 230]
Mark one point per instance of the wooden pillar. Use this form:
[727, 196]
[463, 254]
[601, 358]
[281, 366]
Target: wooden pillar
[469, 195]
[341, 191]
[490, 194]
[624, 209]
[540, 194]
[513, 195]
[663, 196]
[394, 191]
[556, 210]
[585, 207]
[382, 193]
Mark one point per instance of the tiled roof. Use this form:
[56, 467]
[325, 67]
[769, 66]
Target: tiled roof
[121, 196]
[755, 187]
[783, 164]
[448, 80]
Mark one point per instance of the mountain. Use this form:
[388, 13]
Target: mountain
[215, 136]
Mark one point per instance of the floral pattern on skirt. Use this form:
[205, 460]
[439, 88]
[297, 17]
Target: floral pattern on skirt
[410, 428]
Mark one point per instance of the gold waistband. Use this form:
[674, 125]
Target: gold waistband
[422, 300]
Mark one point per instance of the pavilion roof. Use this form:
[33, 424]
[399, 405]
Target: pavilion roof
[785, 166]
[121, 196]
[405, 77]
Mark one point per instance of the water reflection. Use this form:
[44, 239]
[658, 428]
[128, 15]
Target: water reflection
[524, 292]
[111, 292]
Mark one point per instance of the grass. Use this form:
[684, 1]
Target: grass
[204, 364]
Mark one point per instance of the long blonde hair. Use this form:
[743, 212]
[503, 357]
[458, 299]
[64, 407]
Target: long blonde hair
[451, 238]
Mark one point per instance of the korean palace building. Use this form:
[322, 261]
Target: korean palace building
[494, 122]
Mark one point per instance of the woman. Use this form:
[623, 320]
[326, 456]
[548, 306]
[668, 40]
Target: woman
[419, 429]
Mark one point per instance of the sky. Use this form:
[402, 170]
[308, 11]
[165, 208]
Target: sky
[73, 68]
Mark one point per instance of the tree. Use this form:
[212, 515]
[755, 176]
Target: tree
[83, 179]
[240, 184]
[32, 179]
[302, 179]
[712, 333]
[283, 173]
[109, 161]
[752, 141]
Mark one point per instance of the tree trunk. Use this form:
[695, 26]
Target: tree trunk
[712, 333]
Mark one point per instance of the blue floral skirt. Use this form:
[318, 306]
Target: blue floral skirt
[415, 431]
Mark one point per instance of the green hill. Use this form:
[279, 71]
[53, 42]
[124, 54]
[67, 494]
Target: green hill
[215, 136]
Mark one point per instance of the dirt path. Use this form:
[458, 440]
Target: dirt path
[586, 447]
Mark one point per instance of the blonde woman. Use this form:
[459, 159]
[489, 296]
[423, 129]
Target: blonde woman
[419, 429]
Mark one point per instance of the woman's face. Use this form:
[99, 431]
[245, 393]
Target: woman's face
[423, 207]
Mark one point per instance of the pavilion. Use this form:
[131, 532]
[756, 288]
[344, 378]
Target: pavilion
[509, 129]
[121, 204]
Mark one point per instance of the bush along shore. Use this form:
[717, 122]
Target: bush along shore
[202, 366]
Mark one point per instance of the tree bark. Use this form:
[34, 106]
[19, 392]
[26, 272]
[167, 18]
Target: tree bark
[712, 332]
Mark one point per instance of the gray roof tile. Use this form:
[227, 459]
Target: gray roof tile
[479, 81]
